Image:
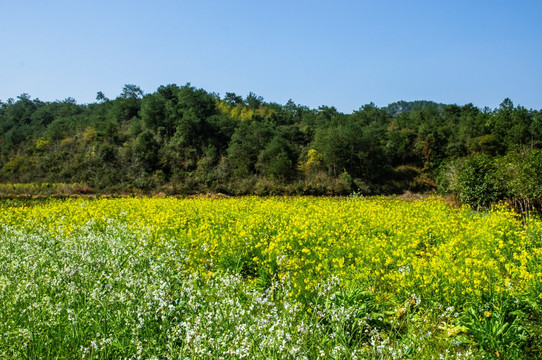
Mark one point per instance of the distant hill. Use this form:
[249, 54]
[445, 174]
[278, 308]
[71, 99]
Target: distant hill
[408, 106]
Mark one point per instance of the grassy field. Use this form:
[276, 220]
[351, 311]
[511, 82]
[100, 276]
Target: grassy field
[282, 278]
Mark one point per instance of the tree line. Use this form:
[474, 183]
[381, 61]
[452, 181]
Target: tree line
[185, 140]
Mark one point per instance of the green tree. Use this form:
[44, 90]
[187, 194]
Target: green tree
[477, 184]
[233, 99]
[520, 178]
[253, 101]
[146, 151]
[153, 112]
[277, 160]
[245, 146]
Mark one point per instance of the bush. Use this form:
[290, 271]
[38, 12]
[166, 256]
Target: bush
[520, 176]
[473, 179]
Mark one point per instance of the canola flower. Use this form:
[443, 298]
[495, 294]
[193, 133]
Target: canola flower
[388, 245]
[159, 264]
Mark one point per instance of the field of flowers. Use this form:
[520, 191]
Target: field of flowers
[281, 278]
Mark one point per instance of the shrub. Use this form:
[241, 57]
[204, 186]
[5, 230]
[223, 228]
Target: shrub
[473, 179]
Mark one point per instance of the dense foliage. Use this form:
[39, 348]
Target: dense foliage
[187, 140]
[284, 278]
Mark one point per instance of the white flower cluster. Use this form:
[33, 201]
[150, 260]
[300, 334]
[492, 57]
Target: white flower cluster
[109, 292]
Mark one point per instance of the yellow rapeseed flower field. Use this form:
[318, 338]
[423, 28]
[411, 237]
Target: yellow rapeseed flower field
[267, 278]
[391, 247]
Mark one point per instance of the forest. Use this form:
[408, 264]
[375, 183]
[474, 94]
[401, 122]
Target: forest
[182, 140]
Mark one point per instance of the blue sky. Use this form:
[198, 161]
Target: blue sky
[336, 53]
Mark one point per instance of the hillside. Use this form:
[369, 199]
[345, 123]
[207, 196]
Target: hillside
[185, 140]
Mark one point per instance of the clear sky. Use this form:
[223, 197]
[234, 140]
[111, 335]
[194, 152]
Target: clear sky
[336, 53]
